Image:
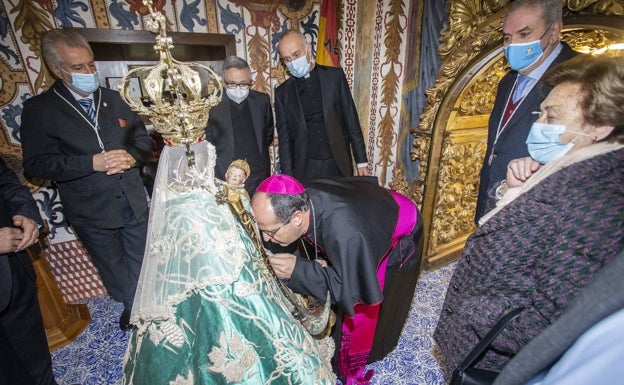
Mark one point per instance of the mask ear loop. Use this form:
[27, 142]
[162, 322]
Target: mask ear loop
[571, 143]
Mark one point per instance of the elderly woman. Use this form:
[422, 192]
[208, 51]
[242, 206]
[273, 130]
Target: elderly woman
[558, 219]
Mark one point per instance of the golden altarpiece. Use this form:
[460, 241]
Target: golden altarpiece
[451, 137]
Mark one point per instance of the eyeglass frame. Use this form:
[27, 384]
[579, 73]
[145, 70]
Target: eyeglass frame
[232, 85]
[272, 233]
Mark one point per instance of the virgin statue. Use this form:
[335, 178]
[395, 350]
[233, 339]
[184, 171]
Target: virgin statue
[207, 309]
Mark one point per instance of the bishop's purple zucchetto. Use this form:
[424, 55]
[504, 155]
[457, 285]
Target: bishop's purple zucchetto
[281, 184]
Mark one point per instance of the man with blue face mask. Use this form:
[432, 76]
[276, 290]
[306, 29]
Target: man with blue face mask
[318, 128]
[531, 33]
[88, 141]
[241, 125]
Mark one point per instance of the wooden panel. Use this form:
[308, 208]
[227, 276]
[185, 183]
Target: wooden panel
[63, 322]
[126, 45]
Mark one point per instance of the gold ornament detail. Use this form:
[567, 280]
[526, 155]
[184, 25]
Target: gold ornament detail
[459, 179]
[589, 41]
[399, 181]
[422, 143]
[466, 18]
[591, 7]
[479, 98]
[175, 103]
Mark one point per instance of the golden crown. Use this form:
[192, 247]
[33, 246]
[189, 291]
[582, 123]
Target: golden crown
[174, 101]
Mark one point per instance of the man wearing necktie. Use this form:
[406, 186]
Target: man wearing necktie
[531, 43]
[88, 141]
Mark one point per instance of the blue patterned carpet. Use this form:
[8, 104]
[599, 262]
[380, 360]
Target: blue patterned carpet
[95, 357]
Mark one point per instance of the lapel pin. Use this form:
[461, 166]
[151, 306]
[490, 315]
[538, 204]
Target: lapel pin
[105, 104]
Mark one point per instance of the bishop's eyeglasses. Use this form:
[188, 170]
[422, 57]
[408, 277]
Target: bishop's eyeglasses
[272, 233]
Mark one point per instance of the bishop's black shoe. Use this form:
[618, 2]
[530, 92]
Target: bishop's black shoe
[124, 321]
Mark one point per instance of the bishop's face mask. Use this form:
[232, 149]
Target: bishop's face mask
[238, 94]
[299, 67]
[86, 83]
[543, 141]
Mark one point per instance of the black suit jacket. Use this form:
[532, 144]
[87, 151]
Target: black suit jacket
[511, 143]
[15, 199]
[352, 222]
[341, 122]
[220, 133]
[59, 144]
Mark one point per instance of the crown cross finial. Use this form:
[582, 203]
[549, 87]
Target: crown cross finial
[180, 95]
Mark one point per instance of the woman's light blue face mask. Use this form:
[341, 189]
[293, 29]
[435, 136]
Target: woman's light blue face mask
[543, 141]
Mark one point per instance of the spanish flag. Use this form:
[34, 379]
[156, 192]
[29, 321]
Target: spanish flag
[327, 49]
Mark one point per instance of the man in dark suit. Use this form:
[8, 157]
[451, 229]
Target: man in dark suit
[24, 355]
[93, 153]
[531, 42]
[241, 125]
[317, 124]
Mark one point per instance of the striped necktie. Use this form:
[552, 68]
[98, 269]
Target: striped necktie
[87, 104]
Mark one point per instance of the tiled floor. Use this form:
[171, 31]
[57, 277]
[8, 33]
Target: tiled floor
[95, 357]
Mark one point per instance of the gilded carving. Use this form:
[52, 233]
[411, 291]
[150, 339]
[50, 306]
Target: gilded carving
[466, 17]
[478, 99]
[605, 7]
[459, 176]
[422, 143]
[587, 41]
[399, 182]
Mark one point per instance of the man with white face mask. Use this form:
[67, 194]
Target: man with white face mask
[87, 140]
[241, 125]
[531, 44]
[317, 124]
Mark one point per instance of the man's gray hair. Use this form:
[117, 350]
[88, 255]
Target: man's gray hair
[552, 10]
[235, 62]
[295, 32]
[55, 37]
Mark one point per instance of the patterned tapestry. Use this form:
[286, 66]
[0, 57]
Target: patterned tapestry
[375, 53]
